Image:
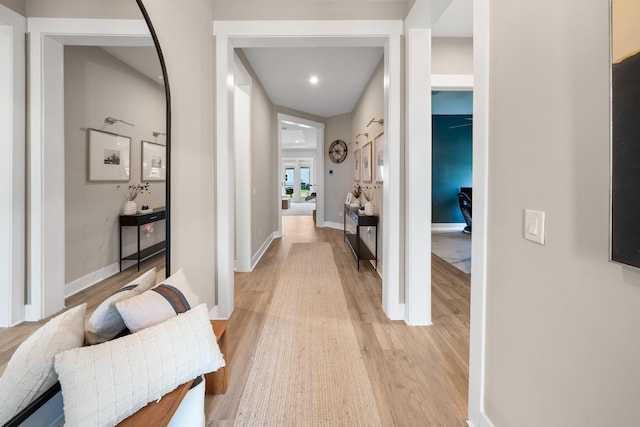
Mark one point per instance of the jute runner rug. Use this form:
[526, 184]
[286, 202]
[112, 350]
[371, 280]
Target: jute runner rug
[308, 370]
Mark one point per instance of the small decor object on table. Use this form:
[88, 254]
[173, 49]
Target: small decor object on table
[130, 207]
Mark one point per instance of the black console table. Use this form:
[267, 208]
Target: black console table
[136, 221]
[358, 247]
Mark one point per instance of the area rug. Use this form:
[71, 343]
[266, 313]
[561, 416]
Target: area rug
[308, 370]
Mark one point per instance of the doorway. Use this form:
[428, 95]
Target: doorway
[301, 157]
[298, 192]
[452, 153]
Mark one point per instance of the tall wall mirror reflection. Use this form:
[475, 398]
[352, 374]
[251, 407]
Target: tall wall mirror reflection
[86, 76]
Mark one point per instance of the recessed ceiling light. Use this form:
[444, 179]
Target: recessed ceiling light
[313, 80]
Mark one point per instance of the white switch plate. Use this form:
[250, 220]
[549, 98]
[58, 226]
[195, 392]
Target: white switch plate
[534, 226]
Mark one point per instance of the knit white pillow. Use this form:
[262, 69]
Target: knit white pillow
[172, 296]
[106, 323]
[105, 383]
[29, 372]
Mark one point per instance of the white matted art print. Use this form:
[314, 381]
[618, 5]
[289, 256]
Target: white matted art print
[366, 162]
[379, 157]
[108, 156]
[357, 164]
[154, 161]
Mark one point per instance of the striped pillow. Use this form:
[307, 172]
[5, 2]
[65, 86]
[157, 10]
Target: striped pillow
[170, 298]
[105, 322]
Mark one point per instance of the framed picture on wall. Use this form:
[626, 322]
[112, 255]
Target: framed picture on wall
[357, 164]
[625, 126]
[366, 162]
[108, 156]
[379, 157]
[154, 161]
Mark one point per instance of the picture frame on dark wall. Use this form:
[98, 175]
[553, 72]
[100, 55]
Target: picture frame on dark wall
[366, 162]
[108, 156]
[357, 164]
[154, 161]
[625, 126]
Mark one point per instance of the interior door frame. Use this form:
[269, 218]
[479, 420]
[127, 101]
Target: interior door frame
[45, 162]
[381, 33]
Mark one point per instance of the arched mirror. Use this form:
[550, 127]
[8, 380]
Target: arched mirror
[97, 100]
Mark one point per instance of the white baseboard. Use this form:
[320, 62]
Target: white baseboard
[258, 256]
[397, 312]
[90, 279]
[483, 422]
[336, 225]
[31, 313]
[447, 226]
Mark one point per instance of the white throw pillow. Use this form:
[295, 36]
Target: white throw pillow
[106, 323]
[172, 296]
[105, 383]
[30, 372]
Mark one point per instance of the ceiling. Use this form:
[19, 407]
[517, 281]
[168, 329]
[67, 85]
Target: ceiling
[298, 136]
[142, 59]
[342, 72]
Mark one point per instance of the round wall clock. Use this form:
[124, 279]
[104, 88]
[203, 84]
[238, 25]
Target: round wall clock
[338, 151]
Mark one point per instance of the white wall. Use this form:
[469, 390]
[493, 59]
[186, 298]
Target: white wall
[452, 55]
[114, 9]
[309, 9]
[98, 85]
[562, 321]
[191, 79]
[263, 156]
[370, 105]
[18, 6]
[340, 182]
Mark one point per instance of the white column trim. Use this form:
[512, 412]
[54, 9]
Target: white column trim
[418, 177]
[481, 113]
[225, 206]
[12, 166]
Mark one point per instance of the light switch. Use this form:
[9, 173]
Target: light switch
[534, 226]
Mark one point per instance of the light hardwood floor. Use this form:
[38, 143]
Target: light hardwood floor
[419, 375]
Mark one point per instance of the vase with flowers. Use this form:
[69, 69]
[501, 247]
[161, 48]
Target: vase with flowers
[129, 206]
[369, 206]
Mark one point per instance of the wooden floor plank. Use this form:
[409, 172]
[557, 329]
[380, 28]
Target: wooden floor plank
[419, 375]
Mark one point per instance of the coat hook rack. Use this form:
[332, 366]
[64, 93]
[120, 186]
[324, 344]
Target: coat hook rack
[112, 120]
[380, 121]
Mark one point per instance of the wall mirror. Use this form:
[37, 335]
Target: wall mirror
[113, 80]
[100, 73]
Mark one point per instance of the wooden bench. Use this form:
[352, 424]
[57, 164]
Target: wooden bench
[160, 413]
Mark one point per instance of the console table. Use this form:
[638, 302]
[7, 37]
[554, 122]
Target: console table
[358, 247]
[136, 221]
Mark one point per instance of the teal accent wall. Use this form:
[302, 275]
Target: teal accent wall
[452, 165]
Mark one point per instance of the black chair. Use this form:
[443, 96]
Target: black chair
[465, 208]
